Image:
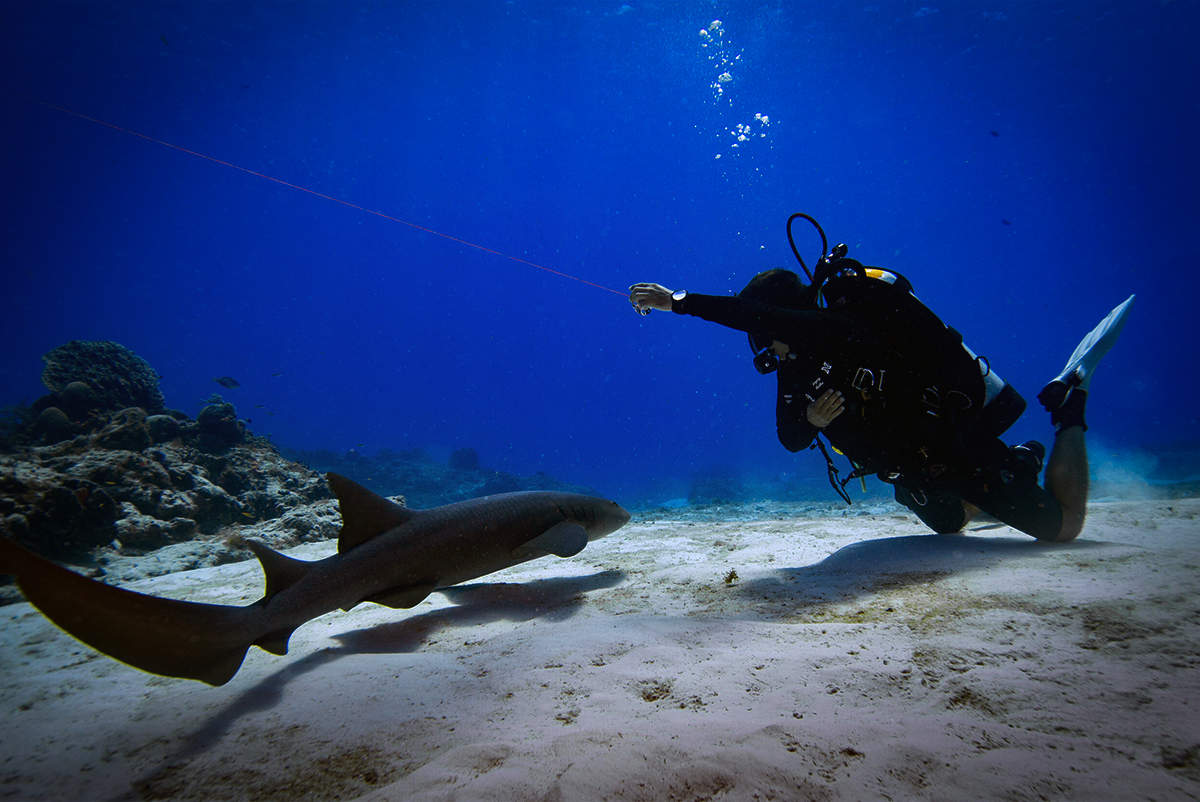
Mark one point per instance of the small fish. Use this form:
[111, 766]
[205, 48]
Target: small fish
[259, 406]
[164, 41]
[228, 382]
[994, 133]
[1006, 222]
[276, 374]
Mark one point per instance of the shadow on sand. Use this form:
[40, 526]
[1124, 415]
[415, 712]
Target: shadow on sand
[478, 603]
[864, 567]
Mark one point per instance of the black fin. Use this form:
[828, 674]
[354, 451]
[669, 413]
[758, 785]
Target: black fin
[365, 514]
[173, 638]
[401, 598]
[275, 642]
[281, 571]
[564, 539]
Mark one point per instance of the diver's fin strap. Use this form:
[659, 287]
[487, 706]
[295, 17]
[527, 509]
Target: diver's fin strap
[1070, 413]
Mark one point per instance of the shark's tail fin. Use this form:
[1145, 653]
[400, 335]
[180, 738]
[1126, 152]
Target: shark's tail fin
[206, 642]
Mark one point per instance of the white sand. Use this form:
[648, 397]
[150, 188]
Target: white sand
[854, 659]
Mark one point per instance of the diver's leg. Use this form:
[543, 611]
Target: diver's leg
[1064, 398]
[944, 514]
[1003, 482]
[1067, 480]
[1067, 470]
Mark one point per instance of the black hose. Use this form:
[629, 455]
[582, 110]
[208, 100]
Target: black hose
[792, 242]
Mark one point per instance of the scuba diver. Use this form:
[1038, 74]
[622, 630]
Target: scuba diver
[862, 362]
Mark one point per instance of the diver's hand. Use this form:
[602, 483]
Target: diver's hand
[645, 297]
[821, 412]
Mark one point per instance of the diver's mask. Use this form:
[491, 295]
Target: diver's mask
[765, 360]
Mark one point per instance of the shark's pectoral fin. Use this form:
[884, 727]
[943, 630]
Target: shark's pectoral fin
[403, 597]
[564, 539]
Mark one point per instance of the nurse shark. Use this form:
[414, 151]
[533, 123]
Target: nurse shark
[387, 554]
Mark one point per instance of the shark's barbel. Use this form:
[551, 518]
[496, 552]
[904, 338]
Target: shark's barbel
[387, 554]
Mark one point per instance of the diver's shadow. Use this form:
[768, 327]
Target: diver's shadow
[865, 567]
[481, 603]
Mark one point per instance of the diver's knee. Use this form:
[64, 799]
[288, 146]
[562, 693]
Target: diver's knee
[1070, 529]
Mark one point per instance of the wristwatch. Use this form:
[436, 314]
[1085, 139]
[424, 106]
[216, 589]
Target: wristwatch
[678, 295]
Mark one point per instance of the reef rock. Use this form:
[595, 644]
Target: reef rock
[306, 523]
[53, 425]
[116, 377]
[146, 533]
[163, 428]
[219, 427]
[100, 466]
[126, 431]
[67, 499]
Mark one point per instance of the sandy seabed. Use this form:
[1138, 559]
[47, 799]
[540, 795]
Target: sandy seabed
[854, 658]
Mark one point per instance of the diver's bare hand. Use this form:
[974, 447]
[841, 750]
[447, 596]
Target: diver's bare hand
[821, 412]
[645, 297]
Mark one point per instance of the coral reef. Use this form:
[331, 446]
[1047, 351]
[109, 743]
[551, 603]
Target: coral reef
[66, 499]
[106, 374]
[99, 468]
[218, 427]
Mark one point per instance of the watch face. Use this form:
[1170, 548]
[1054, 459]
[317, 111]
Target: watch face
[679, 295]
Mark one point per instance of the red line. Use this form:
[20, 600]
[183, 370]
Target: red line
[320, 195]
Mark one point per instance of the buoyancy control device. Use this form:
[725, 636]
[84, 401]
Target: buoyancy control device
[957, 388]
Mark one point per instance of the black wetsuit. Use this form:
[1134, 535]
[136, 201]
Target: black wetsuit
[910, 394]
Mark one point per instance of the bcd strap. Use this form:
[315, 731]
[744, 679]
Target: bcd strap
[839, 485]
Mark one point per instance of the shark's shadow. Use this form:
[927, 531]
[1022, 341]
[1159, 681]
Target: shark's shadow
[480, 603]
[865, 567]
[477, 603]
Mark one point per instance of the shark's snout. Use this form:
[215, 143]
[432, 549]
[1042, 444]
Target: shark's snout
[609, 517]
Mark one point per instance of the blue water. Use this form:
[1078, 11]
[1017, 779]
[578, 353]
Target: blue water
[1027, 165]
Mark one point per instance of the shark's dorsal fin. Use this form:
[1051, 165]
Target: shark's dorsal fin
[280, 570]
[365, 514]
